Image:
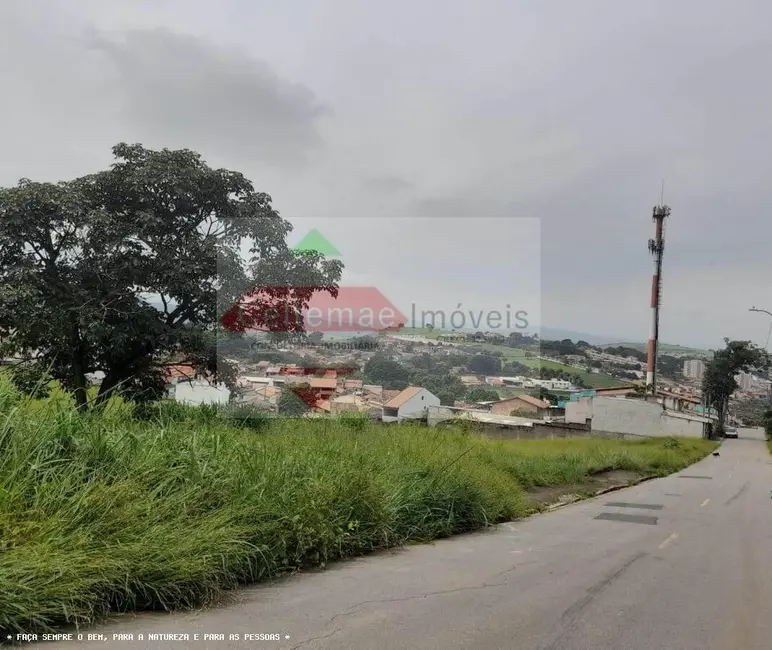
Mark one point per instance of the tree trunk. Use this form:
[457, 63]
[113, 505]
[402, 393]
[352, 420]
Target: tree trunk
[111, 381]
[78, 369]
[118, 375]
[721, 408]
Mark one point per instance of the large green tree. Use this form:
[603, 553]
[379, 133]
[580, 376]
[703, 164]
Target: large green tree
[482, 395]
[719, 383]
[380, 370]
[485, 364]
[132, 268]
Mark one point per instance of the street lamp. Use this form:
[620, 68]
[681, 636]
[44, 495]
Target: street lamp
[764, 311]
[766, 344]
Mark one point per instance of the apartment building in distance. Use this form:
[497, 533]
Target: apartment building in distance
[694, 369]
[745, 381]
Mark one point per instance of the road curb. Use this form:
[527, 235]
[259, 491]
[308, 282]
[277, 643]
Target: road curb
[615, 488]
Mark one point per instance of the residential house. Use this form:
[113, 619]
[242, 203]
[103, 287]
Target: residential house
[352, 384]
[176, 372]
[346, 404]
[553, 384]
[522, 404]
[268, 394]
[249, 382]
[262, 397]
[470, 380]
[409, 404]
[356, 404]
[620, 391]
[678, 402]
[517, 381]
[372, 391]
[389, 394]
[325, 387]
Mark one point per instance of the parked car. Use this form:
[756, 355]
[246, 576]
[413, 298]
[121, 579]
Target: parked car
[730, 432]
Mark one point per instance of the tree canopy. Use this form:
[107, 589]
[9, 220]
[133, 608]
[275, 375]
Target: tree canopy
[719, 383]
[139, 266]
[383, 371]
[482, 395]
[485, 364]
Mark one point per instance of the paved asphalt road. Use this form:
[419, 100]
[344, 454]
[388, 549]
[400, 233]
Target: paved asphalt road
[685, 564]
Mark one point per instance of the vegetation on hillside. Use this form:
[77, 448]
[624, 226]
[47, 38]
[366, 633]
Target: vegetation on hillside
[752, 412]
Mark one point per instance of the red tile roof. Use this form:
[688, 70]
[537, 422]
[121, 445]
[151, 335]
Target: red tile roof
[402, 397]
[323, 382]
[528, 399]
[180, 372]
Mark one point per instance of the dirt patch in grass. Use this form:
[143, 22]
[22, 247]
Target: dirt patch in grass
[544, 496]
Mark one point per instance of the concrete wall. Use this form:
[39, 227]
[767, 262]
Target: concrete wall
[515, 429]
[579, 412]
[538, 431]
[437, 414]
[201, 392]
[615, 415]
[680, 425]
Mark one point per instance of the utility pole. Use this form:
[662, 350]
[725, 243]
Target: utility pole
[656, 248]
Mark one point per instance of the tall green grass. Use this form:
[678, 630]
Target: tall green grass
[169, 506]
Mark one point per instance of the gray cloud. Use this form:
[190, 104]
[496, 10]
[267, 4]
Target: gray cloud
[387, 184]
[179, 87]
[438, 121]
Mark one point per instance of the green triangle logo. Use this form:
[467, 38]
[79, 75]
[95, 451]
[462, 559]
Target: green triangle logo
[316, 242]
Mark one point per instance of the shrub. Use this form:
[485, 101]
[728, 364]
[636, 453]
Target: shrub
[354, 421]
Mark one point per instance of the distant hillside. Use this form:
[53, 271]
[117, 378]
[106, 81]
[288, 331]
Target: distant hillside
[557, 334]
[664, 348]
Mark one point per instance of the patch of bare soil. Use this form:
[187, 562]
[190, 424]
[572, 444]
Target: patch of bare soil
[543, 497]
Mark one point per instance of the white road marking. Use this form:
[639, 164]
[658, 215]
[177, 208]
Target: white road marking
[704, 503]
[672, 538]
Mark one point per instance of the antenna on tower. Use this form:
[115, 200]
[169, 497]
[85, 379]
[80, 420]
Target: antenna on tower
[656, 248]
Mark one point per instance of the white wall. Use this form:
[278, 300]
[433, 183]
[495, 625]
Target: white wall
[416, 406]
[201, 392]
[580, 411]
[677, 424]
[640, 418]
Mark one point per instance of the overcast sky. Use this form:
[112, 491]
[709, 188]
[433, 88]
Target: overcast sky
[487, 153]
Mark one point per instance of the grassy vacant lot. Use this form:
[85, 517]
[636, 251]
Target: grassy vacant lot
[109, 512]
